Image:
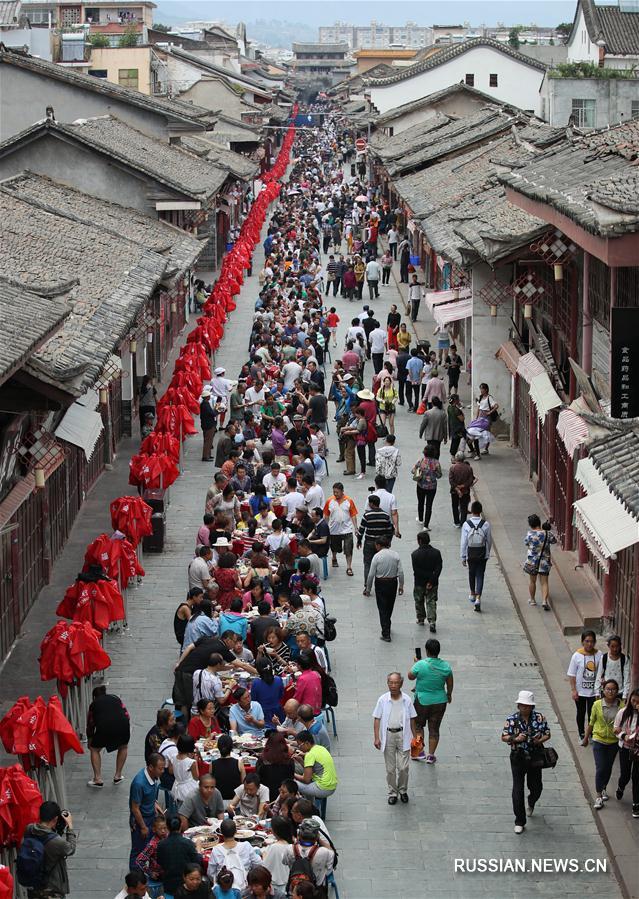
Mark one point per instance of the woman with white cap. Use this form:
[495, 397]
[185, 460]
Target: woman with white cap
[525, 731]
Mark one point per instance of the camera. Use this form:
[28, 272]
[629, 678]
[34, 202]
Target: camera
[61, 823]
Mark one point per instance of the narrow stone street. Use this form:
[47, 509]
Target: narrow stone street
[459, 809]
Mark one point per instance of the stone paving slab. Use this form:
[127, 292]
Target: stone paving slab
[459, 808]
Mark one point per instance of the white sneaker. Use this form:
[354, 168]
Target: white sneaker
[418, 520]
[519, 828]
[605, 796]
[598, 803]
[359, 477]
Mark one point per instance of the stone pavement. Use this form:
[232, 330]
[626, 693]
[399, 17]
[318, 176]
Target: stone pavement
[460, 807]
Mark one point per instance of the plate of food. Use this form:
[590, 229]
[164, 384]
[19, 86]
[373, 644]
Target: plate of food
[244, 822]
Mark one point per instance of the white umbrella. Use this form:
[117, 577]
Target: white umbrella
[361, 199]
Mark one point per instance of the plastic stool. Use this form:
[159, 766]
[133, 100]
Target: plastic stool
[330, 711]
[330, 882]
[325, 567]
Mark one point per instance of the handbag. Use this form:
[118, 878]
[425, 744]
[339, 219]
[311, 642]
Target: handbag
[380, 429]
[416, 472]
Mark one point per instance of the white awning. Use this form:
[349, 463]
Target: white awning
[605, 526]
[453, 312]
[572, 429]
[543, 395]
[529, 367]
[588, 477]
[81, 426]
[436, 297]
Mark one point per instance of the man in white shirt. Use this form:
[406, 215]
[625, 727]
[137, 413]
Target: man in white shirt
[373, 274]
[354, 330]
[377, 341]
[221, 387]
[312, 493]
[393, 728]
[254, 397]
[275, 482]
[135, 883]
[387, 502]
[291, 372]
[200, 572]
[292, 500]
[393, 239]
[387, 462]
[415, 294]
[476, 542]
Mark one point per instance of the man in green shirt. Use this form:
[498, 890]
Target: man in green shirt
[319, 779]
[433, 692]
[237, 404]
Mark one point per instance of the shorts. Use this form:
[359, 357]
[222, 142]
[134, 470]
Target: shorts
[342, 543]
[431, 714]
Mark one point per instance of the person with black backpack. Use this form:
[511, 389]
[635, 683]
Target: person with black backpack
[476, 542]
[308, 861]
[41, 865]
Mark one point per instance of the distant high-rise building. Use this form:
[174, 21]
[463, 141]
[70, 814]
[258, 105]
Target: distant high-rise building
[377, 35]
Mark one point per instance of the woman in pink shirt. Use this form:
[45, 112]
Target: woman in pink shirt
[308, 689]
[204, 534]
[255, 595]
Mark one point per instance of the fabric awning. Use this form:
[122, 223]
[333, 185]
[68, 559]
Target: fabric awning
[453, 312]
[437, 297]
[588, 477]
[509, 355]
[543, 395]
[81, 426]
[572, 429]
[529, 367]
[605, 526]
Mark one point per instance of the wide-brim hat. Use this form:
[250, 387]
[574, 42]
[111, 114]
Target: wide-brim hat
[366, 395]
[222, 541]
[220, 370]
[526, 697]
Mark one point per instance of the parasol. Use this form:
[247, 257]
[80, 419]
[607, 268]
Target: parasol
[131, 515]
[116, 556]
[70, 651]
[94, 598]
[153, 471]
[20, 801]
[175, 420]
[6, 883]
[160, 443]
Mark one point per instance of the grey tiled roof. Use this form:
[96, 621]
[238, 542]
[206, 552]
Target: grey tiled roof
[166, 163]
[423, 143]
[460, 88]
[27, 320]
[452, 52]
[462, 207]
[300, 47]
[587, 177]
[240, 166]
[105, 279]
[617, 460]
[620, 29]
[197, 116]
[180, 249]
[206, 65]
[231, 130]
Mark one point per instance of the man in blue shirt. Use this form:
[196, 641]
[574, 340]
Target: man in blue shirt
[414, 368]
[246, 716]
[143, 804]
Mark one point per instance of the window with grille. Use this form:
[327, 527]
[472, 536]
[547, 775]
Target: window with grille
[70, 15]
[492, 80]
[470, 79]
[584, 113]
[128, 78]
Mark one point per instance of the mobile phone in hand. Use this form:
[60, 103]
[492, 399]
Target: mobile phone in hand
[418, 652]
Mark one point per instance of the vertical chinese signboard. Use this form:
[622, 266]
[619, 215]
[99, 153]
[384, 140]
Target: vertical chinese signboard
[624, 363]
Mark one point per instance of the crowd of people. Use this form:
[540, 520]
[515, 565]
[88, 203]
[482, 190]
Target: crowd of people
[304, 399]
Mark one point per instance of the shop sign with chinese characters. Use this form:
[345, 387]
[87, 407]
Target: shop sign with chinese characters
[624, 363]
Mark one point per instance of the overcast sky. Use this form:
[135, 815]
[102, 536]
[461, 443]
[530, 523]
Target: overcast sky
[360, 12]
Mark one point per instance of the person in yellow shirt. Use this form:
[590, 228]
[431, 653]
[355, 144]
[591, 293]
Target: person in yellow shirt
[605, 744]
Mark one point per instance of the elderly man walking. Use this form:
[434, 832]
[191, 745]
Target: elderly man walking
[434, 427]
[387, 576]
[461, 478]
[393, 728]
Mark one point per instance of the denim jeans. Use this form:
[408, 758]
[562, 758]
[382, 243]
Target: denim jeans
[476, 571]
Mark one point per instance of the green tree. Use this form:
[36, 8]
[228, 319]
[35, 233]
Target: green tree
[563, 30]
[98, 40]
[130, 38]
[513, 38]
[158, 26]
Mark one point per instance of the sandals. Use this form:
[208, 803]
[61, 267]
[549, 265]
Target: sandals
[545, 607]
[349, 572]
[532, 602]
[118, 780]
[335, 563]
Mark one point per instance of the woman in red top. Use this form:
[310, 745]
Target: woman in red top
[308, 690]
[227, 579]
[203, 725]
